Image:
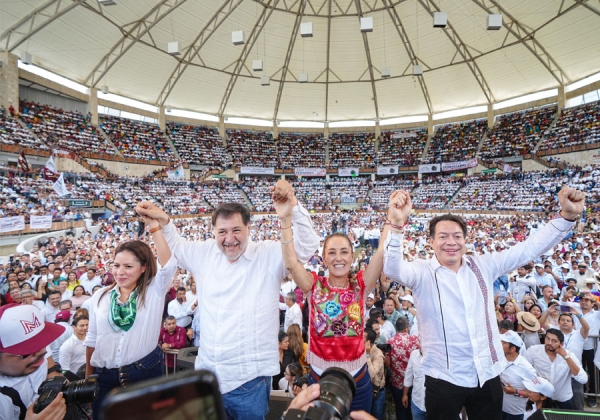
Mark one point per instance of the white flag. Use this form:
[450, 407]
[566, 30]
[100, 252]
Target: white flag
[176, 173]
[60, 187]
[50, 164]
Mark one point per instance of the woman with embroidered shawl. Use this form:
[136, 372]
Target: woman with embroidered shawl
[337, 307]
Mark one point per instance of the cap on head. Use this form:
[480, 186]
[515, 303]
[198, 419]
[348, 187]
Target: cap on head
[24, 331]
[539, 385]
[512, 338]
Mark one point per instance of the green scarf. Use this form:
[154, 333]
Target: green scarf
[122, 315]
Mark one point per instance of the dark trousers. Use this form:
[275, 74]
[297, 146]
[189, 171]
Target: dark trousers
[587, 361]
[402, 413]
[444, 400]
[147, 367]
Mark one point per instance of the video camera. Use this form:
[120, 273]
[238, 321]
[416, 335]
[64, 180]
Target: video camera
[337, 392]
[75, 393]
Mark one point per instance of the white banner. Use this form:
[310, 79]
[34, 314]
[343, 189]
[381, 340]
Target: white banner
[11, 224]
[348, 171]
[408, 135]
[461, 164]
[310, 171]
[177, 173]
[429, 168]
[507, 168]
[60, 187]
[255, 170]
[387, 170]
[596, 159]
[40, 222]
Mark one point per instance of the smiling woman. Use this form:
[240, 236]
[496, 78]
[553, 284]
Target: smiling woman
[336, 305]
[126, 320]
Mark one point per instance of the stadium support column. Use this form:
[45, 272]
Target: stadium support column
[162, 119]
[430, 125]
[377, 129]
[9, 81]
[562, 99]
[275, 130]
[222, 129]
[490, 116]
[92, 105]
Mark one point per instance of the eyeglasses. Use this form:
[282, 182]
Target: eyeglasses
[287, 374]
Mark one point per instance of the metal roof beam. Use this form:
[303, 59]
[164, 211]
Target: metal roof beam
[369, 62]
[393, 13]
[528, 39]
[220, 16]
[41, 16]
[140, 28]
[462, 49]
[256, 30]
[288, 56]
[328, 58]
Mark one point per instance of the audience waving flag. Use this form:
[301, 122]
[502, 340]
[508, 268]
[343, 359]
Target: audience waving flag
[60, 187]
[49, 170]
[176, 173]
[23, 164]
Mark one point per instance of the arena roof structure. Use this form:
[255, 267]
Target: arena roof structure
[541, 45]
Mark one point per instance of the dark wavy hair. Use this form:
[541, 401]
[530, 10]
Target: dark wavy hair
[143, 254]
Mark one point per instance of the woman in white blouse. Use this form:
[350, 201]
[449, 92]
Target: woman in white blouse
[125, 318]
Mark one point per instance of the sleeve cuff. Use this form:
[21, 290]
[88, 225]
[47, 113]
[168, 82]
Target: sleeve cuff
[299, 210]
[169, 264]
[562, 224]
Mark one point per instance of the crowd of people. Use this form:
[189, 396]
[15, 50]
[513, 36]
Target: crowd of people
[137, 139]
[517, 133]
[65, 277]
[301, 150]
[60, 129]
[576, 126]
[11, 132]
[455, 142]
[252, 148]
[403, 148]
[352, 149]
[198, 144]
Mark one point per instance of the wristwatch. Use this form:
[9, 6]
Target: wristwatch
[566, 357]
[55, 368]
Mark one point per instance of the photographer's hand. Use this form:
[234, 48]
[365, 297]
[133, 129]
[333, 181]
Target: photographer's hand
[56, 410]
[361, 415]
[304, 399]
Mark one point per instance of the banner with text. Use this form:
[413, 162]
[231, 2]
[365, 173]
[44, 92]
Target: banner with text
[461, 164]
[40, 222]
[255, 170]
[348, 171]
[596, 159]
[310, 171]
[387, 170]
[429, 168]
[11, 224]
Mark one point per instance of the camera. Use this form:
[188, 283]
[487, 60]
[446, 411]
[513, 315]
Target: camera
[300, 381]
[337, 392]
[386, 348]
[74, 393]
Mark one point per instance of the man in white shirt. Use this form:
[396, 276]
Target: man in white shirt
[462, 351]
[293, 313]
[522, 284]
[574, 340]
[542, 278]
[182, 310]
[71, 355]
[414, 378]
[239, 282]
[517, 370]
[27, 298]
[587, 359]
[52, 307]
[89, 279]
[552, 361]
[190, 295]
[387, 330]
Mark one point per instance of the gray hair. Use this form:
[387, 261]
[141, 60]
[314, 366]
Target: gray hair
[27, 292]
[291, 296]
[170, 318]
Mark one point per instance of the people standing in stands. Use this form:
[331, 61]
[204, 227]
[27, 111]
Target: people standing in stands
[462, 352]
[245, 298]
[125, 319]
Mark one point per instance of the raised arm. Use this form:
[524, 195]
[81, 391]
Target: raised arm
[284, 202]
[398, 214]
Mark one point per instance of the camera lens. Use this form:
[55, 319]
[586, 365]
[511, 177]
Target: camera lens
[337, 392]
[82, 392]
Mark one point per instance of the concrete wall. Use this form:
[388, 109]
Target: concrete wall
[128, 169]
[9, 80]
[68, 165]
[531, 165]
[580, 158]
